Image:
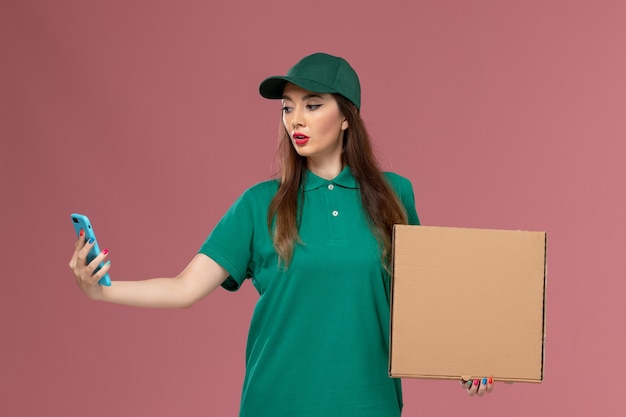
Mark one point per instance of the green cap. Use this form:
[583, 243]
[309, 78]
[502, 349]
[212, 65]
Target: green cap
[320, 73]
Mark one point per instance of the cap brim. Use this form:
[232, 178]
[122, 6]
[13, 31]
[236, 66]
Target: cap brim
[273, 87]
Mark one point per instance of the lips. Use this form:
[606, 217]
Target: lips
[299, 138]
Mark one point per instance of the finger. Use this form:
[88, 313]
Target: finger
[77, 247]
[482, 387]
[468, 386]
[83, 270]
[84, 251]
[97, 262]
[83, 267]
[102, 271]
[465, 384]
[474, 387]
[81, 236]
[490, 384]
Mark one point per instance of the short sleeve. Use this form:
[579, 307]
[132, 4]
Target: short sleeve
[230, 242]
[404, 190]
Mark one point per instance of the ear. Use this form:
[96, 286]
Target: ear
[344, 124]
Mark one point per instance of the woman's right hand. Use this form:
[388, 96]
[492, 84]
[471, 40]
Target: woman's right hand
[86, 279]
[201, 277]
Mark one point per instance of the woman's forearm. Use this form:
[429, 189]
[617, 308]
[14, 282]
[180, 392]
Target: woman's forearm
[151, 293]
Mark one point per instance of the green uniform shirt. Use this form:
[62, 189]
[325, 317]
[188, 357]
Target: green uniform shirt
[318, 343]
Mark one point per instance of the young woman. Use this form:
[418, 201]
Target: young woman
[316, 244]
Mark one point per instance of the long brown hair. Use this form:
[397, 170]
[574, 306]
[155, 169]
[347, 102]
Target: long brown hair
[378, 198]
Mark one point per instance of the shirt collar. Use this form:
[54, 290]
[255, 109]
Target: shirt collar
[344, 179]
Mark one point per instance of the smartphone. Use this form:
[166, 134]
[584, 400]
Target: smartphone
[81, 222]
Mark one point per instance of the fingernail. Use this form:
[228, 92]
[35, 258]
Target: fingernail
[107, 263]
[82, 232]
[475, 382]
[104, 252]
[490, 380]
[484, 381]
[91, 240]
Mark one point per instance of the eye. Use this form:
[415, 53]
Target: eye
[286, 109]
[313, 106]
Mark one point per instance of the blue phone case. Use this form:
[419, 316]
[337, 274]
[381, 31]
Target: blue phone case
[80, 221]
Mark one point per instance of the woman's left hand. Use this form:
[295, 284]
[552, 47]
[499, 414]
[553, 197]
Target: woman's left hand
[478, 386]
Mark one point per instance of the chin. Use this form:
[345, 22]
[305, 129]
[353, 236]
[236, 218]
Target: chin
[302, 151]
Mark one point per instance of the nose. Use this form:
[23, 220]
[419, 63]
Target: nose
[297, 118]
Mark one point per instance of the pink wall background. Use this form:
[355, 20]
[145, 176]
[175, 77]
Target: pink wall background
[145, 116]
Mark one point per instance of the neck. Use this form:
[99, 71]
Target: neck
[327, 169]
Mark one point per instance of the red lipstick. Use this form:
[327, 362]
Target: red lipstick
[299, 138]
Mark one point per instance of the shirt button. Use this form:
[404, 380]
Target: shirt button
[335, 213]
[330, 186]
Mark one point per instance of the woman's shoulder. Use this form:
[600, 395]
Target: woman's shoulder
[404, 190]
[255, 198]
[397, 181]
[262, 190]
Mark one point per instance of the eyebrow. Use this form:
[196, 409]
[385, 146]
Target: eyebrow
[308, 96]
